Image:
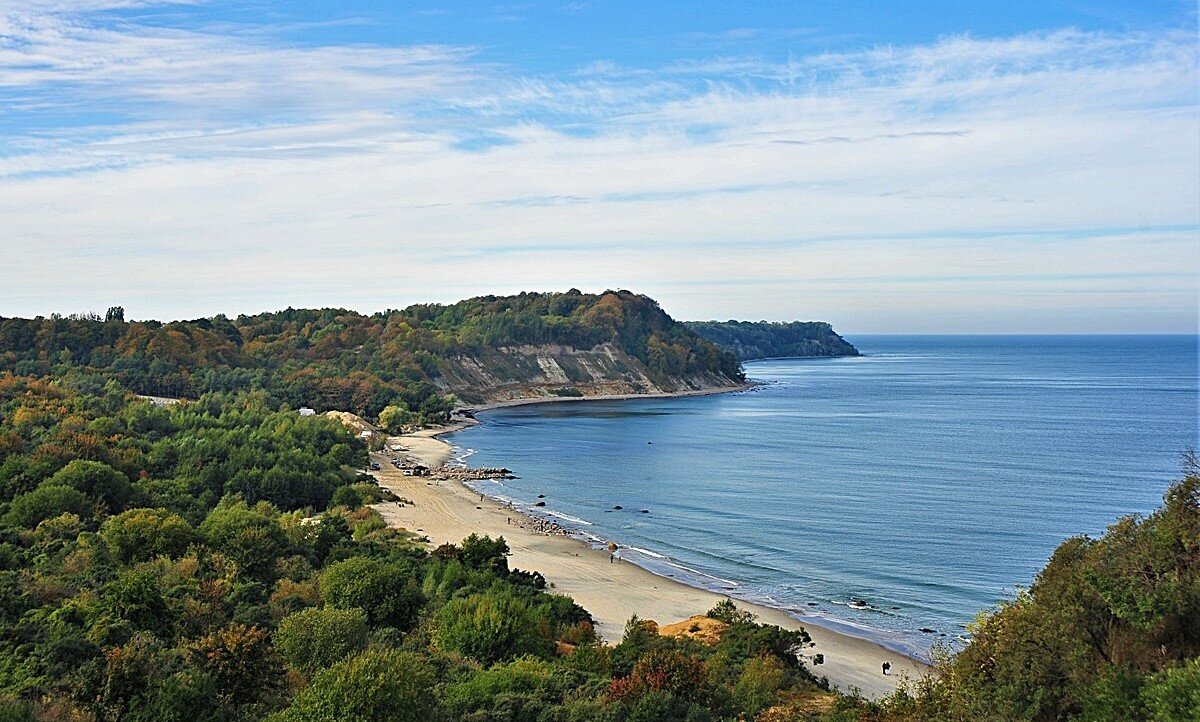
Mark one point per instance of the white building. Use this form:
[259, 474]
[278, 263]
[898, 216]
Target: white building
[305, 411]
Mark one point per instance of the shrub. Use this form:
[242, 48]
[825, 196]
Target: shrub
[314, 639]
[385, 591]
[376, 685]
[492, 627]
[46, 501]
[96, 480]
[141, 534]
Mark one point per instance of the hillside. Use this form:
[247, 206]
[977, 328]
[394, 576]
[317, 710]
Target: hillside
[422, 359]
[751, 340]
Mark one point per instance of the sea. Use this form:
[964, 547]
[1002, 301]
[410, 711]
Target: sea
[894, 496]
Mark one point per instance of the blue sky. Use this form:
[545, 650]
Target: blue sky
[889, 167]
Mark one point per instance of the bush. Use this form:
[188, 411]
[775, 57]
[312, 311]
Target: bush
[98, 481]
[523, 689]
[376, 685]
[385, 591]
[314, 639]
[492, 627]
[141, 534]
[45, 502]
[251, 537]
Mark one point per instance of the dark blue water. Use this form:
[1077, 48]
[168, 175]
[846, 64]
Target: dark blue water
[928, 478]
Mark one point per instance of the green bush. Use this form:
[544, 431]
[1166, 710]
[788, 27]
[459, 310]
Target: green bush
[47, 501]
[142, 534]
[387, 592]
[372, 687]
[492, 627]
[98, 481]
[313, 639]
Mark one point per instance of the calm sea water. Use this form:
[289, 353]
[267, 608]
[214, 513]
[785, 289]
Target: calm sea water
[927, 478]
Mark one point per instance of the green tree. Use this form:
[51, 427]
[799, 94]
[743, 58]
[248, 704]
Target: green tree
[47, 501]
[387, 592]
[376, 686]
[95, 479]
[249, 536]
[142, 534]
[492, 627]
[393, 417]
[313, 639]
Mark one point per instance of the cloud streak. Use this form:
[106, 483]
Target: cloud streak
[218, 164]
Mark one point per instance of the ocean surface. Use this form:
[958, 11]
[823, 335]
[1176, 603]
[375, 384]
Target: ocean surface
[927, 478]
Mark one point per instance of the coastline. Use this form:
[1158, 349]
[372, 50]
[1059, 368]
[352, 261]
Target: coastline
[446, 511]
[465, 412]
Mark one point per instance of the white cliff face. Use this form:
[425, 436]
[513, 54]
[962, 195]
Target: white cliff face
[517, 372]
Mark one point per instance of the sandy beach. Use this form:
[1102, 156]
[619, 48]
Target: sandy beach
[448, 511]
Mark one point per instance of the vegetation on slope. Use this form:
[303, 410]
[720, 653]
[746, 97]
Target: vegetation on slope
[214, 561]
[1109, 631]
[750, 340]
[338, 359]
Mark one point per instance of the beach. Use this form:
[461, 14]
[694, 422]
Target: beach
[447, 511]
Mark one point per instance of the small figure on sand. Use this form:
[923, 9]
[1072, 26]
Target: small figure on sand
[887, 666]
[611, 557]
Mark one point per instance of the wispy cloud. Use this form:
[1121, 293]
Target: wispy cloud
[225, 163]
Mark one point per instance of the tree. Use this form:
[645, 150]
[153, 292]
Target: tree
[249, 536]
[491, 627]
[142, 534]
[240, 661]
[45, 502]
[313, 639]
[393, 417]
[98, 480]
[485, 553]
[372, 687]
[114, 314]
[385, 591]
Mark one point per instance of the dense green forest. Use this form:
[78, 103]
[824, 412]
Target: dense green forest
[339, 359]
[750, 340]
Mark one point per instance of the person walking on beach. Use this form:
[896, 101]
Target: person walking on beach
[886, 667]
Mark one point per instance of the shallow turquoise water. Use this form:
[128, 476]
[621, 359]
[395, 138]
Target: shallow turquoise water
[928, 477]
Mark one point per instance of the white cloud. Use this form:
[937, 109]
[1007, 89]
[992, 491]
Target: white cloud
[911, 188]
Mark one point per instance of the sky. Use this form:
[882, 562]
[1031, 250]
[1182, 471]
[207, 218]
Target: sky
[900, 167]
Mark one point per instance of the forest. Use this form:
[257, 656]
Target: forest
[335, 359]
[753, 340]
[218, 560]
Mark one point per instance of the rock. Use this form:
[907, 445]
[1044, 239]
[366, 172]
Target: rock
[618, 507]
[479, 507]
[812, 604]
[541, 496]
[540, 503]
[927, 630]
[645, 511]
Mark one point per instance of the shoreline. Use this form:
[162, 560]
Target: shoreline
[707, 391]
[449, 510]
